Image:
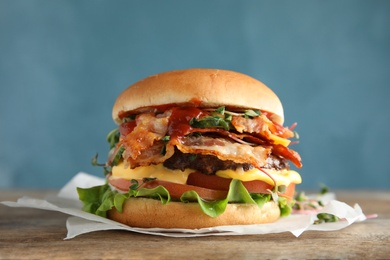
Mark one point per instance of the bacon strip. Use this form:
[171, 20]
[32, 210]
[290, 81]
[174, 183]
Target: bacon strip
[152, 155]
[224, 150]
[287, 153]
[144, 145]
[147, 131]
[260, 125]
[255, 125]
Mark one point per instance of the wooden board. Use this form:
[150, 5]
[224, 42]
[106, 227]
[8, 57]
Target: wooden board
[38, 234]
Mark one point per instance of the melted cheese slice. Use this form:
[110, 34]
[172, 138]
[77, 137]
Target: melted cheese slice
[279, 140]
[152, 171]
[284, 177]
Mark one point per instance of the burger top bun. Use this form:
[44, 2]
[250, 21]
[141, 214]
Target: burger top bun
[203, 87]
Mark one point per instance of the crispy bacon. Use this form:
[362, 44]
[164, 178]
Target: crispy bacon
[152, 155]
[287, 153]
[248, 125]
[224, 150]
[284, 132]
[260, 125]
[147, 131]
[250, 143]
[277, 149]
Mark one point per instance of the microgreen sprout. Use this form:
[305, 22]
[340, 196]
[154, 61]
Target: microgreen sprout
[135, 184]
[94, 162]
[113, 137]
[251, 113]
[325, 218]
[304, 203]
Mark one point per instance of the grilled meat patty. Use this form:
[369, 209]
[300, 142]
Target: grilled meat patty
[209, 164]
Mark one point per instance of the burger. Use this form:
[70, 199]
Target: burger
[197, 148]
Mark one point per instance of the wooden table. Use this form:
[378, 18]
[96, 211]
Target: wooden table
[38, 234]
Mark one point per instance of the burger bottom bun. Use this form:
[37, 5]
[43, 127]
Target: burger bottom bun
[150, 213]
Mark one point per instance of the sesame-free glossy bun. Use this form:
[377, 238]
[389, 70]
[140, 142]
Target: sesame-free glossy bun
[204, 87]
[150, 213]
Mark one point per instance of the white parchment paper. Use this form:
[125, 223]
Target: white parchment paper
[80, 222]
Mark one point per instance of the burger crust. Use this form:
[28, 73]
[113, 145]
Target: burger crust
[150, 213]
[203, 87]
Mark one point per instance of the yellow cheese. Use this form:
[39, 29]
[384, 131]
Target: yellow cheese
[279, 140]
[283, 177]
[151, 171]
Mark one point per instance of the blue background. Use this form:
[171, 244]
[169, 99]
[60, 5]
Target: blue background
[63, 63]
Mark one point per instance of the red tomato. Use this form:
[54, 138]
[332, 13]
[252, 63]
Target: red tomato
[208, 187]
[289, 192]
[219, 183]
[208, 181]
[174, 189]
[120, 184]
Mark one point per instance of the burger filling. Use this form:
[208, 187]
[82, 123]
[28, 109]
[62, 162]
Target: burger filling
[210, 164]
[209, 156]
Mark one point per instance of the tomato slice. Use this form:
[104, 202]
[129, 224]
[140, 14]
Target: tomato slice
[120, 184]
[289, 192]
[174, 189]
[208, 181]
[208, 187]
[219, 183]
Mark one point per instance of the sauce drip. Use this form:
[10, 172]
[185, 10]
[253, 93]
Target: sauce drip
[179, 121]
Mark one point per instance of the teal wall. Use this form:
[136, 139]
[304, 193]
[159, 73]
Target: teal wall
[62, 64]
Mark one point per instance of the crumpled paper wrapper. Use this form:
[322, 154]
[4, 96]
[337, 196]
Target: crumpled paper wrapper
[80, 222]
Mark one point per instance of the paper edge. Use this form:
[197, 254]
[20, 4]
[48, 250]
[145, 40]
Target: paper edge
[352, 215]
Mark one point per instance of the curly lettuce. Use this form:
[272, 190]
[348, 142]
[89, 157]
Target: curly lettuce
[100, 199]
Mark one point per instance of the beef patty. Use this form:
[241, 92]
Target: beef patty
[209, 164]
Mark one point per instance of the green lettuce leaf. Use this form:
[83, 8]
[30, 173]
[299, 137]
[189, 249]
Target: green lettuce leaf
[237, 194]
[100, 199]
[97, 200]
[285, 206]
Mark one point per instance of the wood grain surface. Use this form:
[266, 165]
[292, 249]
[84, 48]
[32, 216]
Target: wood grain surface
[37, 234]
